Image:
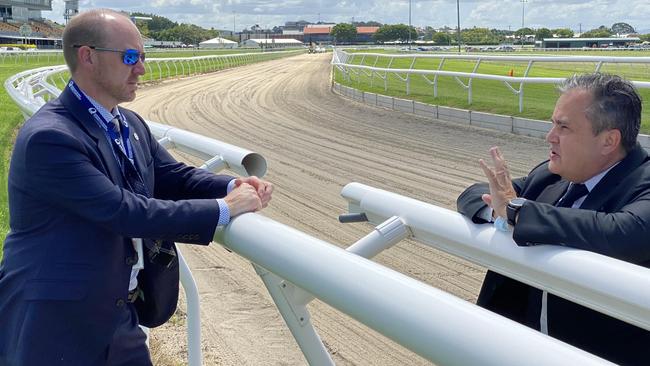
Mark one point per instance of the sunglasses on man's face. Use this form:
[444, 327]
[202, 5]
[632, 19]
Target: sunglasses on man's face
[129, 56]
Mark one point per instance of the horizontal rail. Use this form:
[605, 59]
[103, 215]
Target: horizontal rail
[242, 161]
[587, 278]
[520, 58]
[438, 326]
[515, 79]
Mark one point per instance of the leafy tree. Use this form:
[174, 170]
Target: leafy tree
[645, 37]
[396, 32]
[157, 23]
[600, 32]
[480, 36]
[524, 31]
[187, 33]
[563, 32]
[441, 38]
[543, 33]
[370, 23]
[622, 28]
[344, 32]
[143, 27]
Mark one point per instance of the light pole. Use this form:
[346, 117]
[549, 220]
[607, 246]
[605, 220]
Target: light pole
[458, 29]
[523, 7]
[409, 24]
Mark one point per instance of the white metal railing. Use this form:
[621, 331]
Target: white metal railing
[438, 326]
[346, 63]
[18, 56]
[295, 267]
[601, 283]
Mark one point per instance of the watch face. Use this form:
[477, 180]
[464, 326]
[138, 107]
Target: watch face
[517, 202]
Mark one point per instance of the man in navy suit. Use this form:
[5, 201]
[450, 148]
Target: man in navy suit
[95, 206]
[593, 194]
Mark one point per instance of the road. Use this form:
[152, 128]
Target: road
[316, 142]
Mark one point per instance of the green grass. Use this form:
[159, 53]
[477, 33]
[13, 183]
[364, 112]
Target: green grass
[493, 96]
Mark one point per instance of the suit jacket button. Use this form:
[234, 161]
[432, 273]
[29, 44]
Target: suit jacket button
[119, 303]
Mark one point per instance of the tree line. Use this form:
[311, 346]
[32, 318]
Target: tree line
[346, 33]
[163, 29]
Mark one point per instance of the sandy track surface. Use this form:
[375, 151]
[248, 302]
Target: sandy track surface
[316, 142]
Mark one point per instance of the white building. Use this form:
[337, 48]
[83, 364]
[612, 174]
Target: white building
[271, 43]
[218, 43]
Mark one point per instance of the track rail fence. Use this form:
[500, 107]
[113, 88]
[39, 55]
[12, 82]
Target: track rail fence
[362, 64]
[296, 268]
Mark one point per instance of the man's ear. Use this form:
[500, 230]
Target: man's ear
[610, 141]
[85, 55]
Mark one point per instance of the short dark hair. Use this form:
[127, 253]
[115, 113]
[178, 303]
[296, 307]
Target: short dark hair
[616, 104]
[86, 29]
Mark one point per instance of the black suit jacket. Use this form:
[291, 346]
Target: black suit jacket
[614, 220]
[68, 257]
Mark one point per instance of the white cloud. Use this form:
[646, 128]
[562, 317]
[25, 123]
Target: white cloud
[480, 13]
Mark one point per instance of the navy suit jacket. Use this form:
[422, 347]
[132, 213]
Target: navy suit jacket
[68, 257]
[613, 220]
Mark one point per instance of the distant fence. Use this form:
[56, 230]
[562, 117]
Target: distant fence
[358, 65]
[167, 66]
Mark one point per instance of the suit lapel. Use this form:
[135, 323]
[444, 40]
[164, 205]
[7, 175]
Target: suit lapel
[607, 186]
[552, 193]
[86, 122]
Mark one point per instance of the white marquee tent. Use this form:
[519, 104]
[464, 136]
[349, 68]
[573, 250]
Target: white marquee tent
[218, 43]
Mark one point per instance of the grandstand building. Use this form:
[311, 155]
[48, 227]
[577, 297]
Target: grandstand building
[23, 23]
[20, 11]
[588, 42]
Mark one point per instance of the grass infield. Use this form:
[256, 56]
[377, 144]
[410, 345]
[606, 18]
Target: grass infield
[493, 96]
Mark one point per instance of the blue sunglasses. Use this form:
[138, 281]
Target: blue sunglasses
[129, 56]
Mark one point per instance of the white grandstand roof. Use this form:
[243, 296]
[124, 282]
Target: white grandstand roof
[217, 40]
[275, 40]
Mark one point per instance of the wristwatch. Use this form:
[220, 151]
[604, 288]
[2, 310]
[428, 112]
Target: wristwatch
[512, 209]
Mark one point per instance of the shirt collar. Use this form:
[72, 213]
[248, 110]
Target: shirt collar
[593, 181]
[108, 115]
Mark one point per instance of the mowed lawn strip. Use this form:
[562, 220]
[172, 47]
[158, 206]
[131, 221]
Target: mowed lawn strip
[492, 96]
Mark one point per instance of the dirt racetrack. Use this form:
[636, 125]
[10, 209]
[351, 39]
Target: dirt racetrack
[316, 142]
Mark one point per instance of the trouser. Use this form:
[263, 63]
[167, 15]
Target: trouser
[129, 345]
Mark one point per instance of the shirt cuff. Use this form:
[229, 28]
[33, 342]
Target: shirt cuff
[501, 224]
[486, 214]
[231, 186]
[224, 212]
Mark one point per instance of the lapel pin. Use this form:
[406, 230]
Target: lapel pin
[135, 135]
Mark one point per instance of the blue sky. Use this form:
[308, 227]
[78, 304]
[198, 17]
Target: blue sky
[486, 13]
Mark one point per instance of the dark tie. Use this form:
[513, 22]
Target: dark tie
[133, 180]
[574, 192]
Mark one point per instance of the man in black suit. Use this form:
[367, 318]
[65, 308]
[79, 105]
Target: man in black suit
[96, 204]
[593, 194]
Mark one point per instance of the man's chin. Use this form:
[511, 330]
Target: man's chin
[553, 168]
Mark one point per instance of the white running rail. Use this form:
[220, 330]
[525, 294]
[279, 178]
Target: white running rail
[355, 64]
[446, 330]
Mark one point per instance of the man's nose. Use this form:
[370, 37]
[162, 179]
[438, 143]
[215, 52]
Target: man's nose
[551, 136]
[139, 68]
